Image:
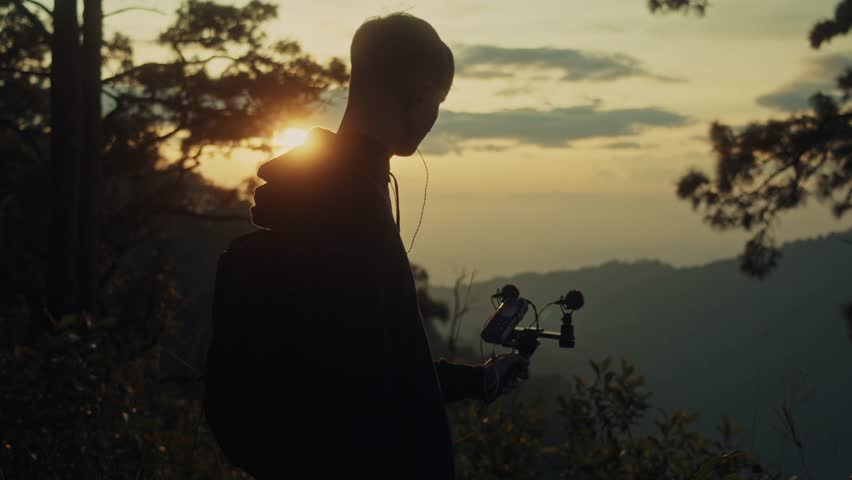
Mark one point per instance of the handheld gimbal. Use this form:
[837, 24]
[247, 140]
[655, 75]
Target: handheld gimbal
[502, 327]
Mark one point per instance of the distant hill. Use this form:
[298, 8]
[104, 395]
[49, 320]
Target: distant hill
[711, 340]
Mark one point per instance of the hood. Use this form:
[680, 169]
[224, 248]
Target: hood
[313, 182]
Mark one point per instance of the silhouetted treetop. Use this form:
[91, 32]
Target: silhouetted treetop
[213, 25]
[235, 85]
[88, 393]
[771, 167]
[766, 168]
[826, 30]
[219, 84]
[686, 6]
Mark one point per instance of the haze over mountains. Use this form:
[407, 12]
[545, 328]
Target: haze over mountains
[711, 340]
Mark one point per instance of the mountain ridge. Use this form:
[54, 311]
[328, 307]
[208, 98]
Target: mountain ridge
[841, 235]
[711, 340]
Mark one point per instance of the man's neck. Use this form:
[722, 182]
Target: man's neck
[352, 123]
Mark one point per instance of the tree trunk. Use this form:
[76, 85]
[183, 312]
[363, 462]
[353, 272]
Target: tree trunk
[90, 160]
[62, 281]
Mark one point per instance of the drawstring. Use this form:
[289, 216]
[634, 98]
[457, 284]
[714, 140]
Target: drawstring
[396, 198]
[422, 208]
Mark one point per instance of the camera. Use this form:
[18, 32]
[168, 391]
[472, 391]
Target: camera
[501, 328]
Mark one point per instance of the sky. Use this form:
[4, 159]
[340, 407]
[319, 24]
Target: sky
[569, 121]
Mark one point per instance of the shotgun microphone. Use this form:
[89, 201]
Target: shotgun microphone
[573, 300]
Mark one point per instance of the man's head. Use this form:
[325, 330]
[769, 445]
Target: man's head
[401, 72]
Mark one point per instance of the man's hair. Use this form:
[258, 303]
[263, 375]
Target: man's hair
[397, 49]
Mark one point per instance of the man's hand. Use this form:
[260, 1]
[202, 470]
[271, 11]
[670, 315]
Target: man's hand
[503, 374]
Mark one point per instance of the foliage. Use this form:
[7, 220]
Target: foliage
[83, 410]
[222, 85]
[826, 30]
[686, 6]
[767, 168]
[770, 167]
[226, 86]
[86, 397]
[605, 433]
[503, 442]
[602, 421]
[226, 83]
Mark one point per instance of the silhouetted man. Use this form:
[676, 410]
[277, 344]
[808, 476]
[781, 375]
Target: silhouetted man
[319, 366]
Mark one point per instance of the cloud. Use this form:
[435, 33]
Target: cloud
[544, 128]
[503, 130]
[490, 62]
[516, 90]
[819, 77]
[622, 145]
[491, 148]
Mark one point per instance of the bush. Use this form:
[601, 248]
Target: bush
[605, 434]
[602, 421]
[503, 442]
[85, 399]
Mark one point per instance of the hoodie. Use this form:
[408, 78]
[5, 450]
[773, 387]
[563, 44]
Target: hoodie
[319, 360]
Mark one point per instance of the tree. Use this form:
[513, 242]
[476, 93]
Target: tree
[85, 397]
[232, 91]
[461, 306]
[437, 312]
[604, 436]
[65, 150]
[605, 433]
[89, 183]
[768, 168]
[503, 441]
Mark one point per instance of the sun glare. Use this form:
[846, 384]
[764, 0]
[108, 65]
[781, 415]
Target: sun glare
[289, 138]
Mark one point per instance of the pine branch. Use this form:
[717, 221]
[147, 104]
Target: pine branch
[33, 18]
[41, 6]
[131, 9]
[38, 73]
[135, 69]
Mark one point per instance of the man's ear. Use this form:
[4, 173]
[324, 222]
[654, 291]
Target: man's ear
[415, 96]
[411, 100]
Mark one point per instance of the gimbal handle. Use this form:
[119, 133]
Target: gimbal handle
[526, 340]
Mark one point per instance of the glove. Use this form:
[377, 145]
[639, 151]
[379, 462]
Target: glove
[503, 374]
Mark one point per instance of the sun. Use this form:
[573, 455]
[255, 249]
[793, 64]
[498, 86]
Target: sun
[289, 138]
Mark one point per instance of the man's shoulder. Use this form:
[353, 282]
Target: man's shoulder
[252, 241]
[248, 252]
[282, 255]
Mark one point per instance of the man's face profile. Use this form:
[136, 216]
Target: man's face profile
[420, 118]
